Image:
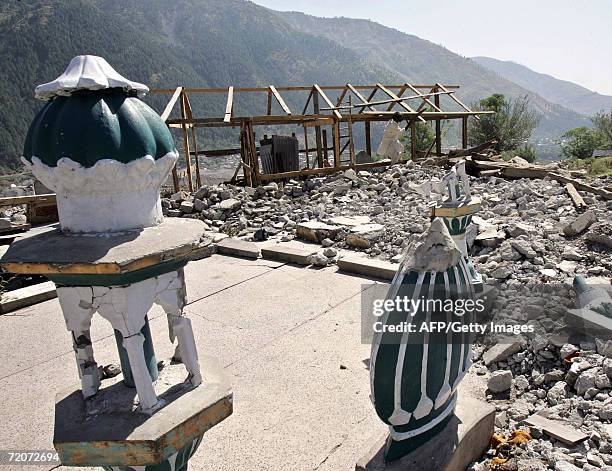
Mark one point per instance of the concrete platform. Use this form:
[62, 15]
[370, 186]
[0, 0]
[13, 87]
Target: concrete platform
[289, 338]
[459, 443]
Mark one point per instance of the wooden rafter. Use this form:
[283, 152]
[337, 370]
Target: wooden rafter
[168, 109]
[389, 93]
[455, 99]
[327, 100]
[425, 99]
[360, 96]
[280, 100]
[399, 94]
[229, 105]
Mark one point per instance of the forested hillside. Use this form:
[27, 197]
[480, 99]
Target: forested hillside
[217, 43]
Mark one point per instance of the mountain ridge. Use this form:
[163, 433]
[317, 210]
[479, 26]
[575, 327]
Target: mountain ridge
[562, 92]
[216, 43]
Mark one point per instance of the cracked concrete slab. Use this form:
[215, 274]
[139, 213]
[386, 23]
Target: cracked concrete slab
[290, 342]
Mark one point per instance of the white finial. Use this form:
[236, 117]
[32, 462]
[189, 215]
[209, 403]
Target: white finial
[87, 73]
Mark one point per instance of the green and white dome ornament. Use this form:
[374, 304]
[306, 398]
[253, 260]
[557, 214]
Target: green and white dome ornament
[100, 148]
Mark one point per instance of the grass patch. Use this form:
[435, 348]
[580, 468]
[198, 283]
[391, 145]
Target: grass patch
[595, 167]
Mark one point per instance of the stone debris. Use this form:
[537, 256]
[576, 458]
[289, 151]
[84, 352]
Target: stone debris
[528, 234]
[500, 381]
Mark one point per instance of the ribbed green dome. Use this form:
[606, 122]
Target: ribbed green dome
[93, 125]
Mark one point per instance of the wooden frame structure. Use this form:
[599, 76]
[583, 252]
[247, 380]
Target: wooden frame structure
[326, 116]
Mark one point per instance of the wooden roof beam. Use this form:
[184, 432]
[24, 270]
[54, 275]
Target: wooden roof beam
[279, 99]
[455, 99]
[168, 109]
[361, 97]
[394, 96]
[229, 106]
[399, 95]
[425, 99]
[327, 100]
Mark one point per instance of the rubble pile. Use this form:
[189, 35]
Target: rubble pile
[561, 392]
[529, 233]
[528, 230]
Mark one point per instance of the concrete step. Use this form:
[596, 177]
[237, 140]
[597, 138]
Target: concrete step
[287, 254]
[24, 297]
[368, 267]
[238, 248]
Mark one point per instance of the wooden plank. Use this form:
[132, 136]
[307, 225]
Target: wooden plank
[582, 186]
[556, 429]
[194, 142]
[306, 147]
[186, 143]
[342, 95]
[168, 109]
[464, 133]
[575, 196]
[322, 171]
[326, 100]
[384, 102]
[325, 154]
[413, 140]
[229, 105]
[336, 137]
[438, 128]
[454, 98]
[290, 88]
[368, 138]
[280, 100]
[389, 93]
[318, 137]
[15, 200]
[269, 108]
[308, 101]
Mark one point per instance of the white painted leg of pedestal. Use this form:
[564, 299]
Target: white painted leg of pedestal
[144, 387]
[76, 304]
[171, 296]
[126, 307]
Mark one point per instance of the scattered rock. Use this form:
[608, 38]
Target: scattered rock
[500, 381]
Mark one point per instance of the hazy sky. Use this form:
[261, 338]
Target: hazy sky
[569, 39]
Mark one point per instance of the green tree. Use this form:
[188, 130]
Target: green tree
[603, 125]
[511, 125]
[580, 142]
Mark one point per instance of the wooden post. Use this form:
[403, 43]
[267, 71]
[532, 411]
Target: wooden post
[255, 159]
[269, 102]
[464, 132]
[413, 140]
[194, 141]
[368, 138]
[306, 145]
[315, 104]
[350, 133]
[244, 153]
[186, 144]
[325, 155]
[438, 126]
[336, 136]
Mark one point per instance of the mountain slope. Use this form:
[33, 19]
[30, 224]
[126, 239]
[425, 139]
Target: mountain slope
[564, 93]
[204, 43]
[419, 61]
[216, 43]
